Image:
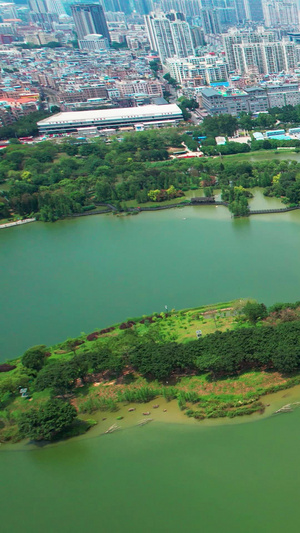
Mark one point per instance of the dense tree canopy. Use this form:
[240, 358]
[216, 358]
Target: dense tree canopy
[53, 180]
[24, 127]
[255, 311]
[45, 422]
[34, 358]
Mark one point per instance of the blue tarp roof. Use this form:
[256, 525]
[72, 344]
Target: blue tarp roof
[220, 84]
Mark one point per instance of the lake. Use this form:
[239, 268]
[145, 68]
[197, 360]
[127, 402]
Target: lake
[160, 477]
[60, 279]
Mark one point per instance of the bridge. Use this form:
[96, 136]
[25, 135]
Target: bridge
[268, 211]
[193, 202]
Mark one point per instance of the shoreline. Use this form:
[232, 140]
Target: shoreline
[217, 203]
[173, 416]
[17, 223]
[137, 210]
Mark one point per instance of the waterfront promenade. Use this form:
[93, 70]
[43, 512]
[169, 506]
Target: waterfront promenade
[17, 223]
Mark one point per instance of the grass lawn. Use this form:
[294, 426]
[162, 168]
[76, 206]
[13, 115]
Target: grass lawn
[262, 155]
[187, 196]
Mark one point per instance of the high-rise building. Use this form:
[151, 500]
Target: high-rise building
[143, 7]
[55, 6]
[89, 19]
[254, 10]
[169, 38]
[210, 69]
[160, 35]
[227, 13]
[182, 37]
[38, 6]
[8, 10]
[45, 12]
[211, 21]
[259, 52]
[281, 13]
[198, 36]
[117, 5]
[240, 10]
[191, 8]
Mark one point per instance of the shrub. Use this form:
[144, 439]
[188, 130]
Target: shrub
[34, 358]
[255, 311]
[92, 336]
[169, 393]
[142, 395]
[45, 422]
[127, 325]
[7, 368]
[96, 403]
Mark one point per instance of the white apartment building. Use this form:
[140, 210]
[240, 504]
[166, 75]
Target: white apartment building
[259, 52]
[210, 69]
[93, 42]
[128, 88]
[278, 13]
[182, 38]
[169, 38]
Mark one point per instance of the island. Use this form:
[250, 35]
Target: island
[215, 361]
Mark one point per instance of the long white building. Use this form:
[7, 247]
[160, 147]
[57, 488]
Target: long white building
[155, 115]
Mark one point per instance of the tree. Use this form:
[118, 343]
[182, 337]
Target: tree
[155, 67]
[53, 44]
[34, 358]
[188, 103]
[47, 421]
[55, 109]
[170, 80]
[245, 121]
[99, 359]
[153, 194]
[80, 364]
[228, 124]
[255, 311]
[58, 376]
[155, 360]
[208, 191]
[222, 124]
[186, 115]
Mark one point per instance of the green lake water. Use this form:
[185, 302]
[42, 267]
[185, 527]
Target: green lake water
[60, 279]
[162, 478]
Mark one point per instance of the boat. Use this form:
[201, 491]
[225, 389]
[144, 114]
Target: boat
[144, 421]
[112, 428]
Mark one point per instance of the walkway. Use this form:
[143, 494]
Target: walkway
[17, 223]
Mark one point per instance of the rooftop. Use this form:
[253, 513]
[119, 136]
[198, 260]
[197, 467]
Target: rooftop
[209, 92]
[118, 113]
